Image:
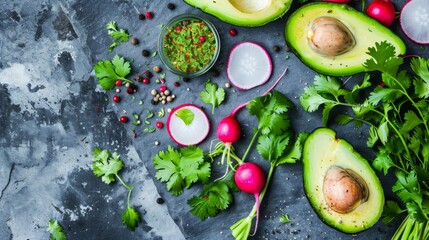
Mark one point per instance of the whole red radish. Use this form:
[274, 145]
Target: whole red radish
[250, 178]
[228, 130]
[382, 10]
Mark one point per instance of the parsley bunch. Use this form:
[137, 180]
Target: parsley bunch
[108, 71]
[107, 166]
[397, 112]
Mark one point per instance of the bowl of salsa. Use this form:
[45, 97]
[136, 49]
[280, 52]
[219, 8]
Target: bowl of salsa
[189, 45]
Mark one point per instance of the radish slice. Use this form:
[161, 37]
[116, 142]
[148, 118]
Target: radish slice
[188, 125]
[414, 21]
[249, 65]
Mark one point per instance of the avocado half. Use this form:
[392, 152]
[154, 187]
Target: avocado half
[248, 13]
[365, 30]
[323, 152]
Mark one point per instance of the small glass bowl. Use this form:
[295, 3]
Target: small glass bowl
[170, 25]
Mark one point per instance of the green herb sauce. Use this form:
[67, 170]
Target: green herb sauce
[190, 45]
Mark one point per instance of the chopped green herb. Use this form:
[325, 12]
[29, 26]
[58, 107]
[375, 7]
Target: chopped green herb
[162, 75]
[186, 115]
[285, 219]
[154, 53]
[56, 231]
[161, 112]
[118, 35]
[149, 130]
[135, 115]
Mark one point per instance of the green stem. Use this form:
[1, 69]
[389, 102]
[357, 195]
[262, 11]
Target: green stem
[250, 145]
[129, 187]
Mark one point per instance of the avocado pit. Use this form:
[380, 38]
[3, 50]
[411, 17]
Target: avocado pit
[344, 190]
[330, 37]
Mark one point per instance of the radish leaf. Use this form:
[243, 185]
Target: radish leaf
[186, 115]
[212, 94]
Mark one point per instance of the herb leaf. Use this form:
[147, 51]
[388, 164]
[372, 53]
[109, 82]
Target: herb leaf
[105, 165]
[107, 72]
[215, 197]
[212, 94]
[186, 115]
[130, 218]
[56, 230]
[118, 35]
[180, 169]
[285, 219]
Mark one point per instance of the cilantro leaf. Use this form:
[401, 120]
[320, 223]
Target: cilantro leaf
[407, 187]
[383, 59]
[212, 94]
[382, 161]
[180, 169]
[311, 99]
[186, 115]
[107, 72]
[270, 110]
[271, 147]
[118, 35]
[384, 95]
[130, 218]
[215, 197]
[295, 153]
[327, 84]
[105, 165]
[390, 211]
[421, 83]
[411, 121]
[56, 230]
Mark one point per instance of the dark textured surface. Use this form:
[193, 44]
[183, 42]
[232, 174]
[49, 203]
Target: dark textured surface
[53, 113]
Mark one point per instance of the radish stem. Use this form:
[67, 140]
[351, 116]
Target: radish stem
[239, 107]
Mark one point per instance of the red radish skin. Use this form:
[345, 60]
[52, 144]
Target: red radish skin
[382, 10]
[250, 178]
[228, 130]
[202, 131]
[414, 21]
[237, 74]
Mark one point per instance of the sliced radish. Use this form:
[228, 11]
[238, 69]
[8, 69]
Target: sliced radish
[188, 125]
[414, 20]
[249, 65]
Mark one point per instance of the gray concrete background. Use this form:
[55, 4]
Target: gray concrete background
[52, 114]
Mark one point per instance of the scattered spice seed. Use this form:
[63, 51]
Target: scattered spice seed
[227, 85]
[276, 48]
[159, 125]
[232, 32]
[123, 119]
[157, 69]
[159, 200]
[134, 41]
[130, 90]
[153, 92]
[169, 110]
[118, 83]
[215, 73]
[186, 79]
[153, 102]
[149, 15]
[127, 84]
[116, 98]
[176, 84]
[145, 53]
[118, 90]
[142, 17]
[162, 88]
[146, 81]
[171, 6]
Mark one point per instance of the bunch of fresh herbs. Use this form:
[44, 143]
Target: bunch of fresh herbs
[397, 113]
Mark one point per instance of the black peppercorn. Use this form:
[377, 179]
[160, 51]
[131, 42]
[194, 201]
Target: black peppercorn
[215, 73]
[145, 53]
[142, 17]
[153, 102]
[171, 6]
[160, 200]
[276, 48]
[134, 41]
[186, 79]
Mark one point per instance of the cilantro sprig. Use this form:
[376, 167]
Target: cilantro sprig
[180, 169]
[212, 94]
[107, 166]
[108, 71]
[56, 230]
[118, 34]
[397, 112]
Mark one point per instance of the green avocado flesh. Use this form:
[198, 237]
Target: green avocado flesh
[322, 151]
[248, 13]
[365, 31]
